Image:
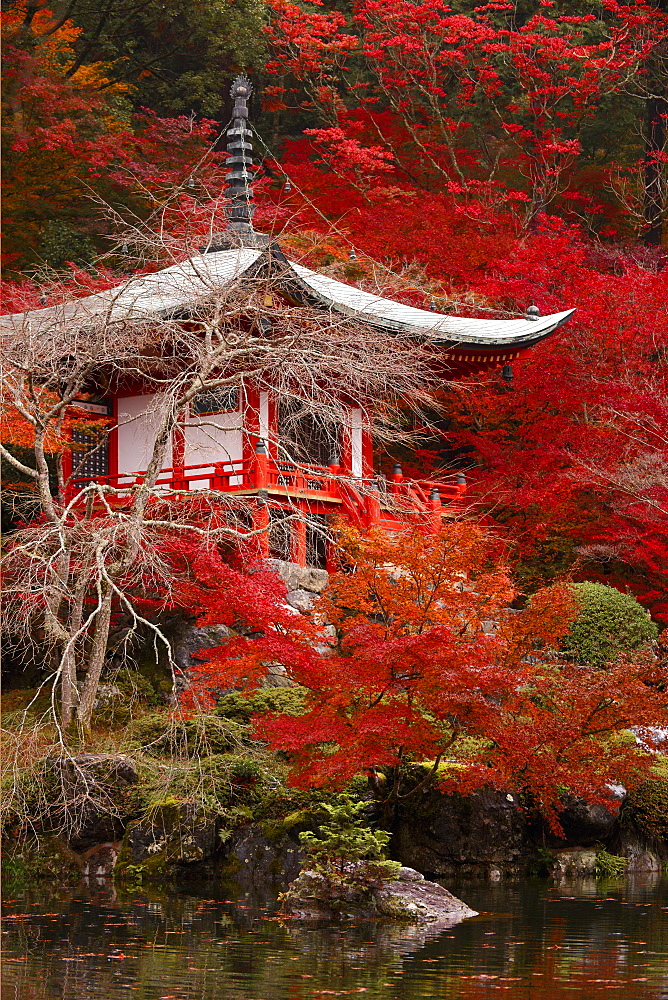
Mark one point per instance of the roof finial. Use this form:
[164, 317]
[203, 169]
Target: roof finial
[238, 190]
[239, 211]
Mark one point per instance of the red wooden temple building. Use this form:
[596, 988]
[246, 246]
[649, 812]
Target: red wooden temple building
[231, 441]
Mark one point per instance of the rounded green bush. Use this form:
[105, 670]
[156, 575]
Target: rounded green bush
[609, 623]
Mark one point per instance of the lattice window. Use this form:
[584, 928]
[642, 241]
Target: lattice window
[90, 459]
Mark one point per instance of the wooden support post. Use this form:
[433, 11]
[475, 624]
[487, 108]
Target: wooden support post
[261, 465]
[298, 542]
[372, 510]
[435, 502]
[261, 523]
[179, 453]
[219, 480]
[332, 563]
[396, 479]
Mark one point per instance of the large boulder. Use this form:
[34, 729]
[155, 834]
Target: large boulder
[408, 897]
[175, 834]
[93, 799]
[258, 858]
[588, 823]
[471, 835]
[296, 577]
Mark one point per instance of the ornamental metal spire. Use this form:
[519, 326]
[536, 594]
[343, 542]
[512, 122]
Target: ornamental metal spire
[239, 211]
[239, 191]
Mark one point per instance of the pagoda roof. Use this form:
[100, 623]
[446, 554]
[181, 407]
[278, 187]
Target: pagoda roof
[182, 288]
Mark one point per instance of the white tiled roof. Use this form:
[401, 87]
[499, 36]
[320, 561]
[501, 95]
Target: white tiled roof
[149, 294]
[396, 315]
[184, 284]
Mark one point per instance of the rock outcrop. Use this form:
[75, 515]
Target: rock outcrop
[462, 835]
[408, 897]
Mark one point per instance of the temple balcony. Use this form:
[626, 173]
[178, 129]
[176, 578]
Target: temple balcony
[266, 487]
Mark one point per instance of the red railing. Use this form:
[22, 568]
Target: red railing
[365, 502]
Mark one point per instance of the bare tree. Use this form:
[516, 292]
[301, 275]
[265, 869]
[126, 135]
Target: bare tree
[91, 546]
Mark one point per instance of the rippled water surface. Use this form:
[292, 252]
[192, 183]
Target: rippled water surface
[532, 940]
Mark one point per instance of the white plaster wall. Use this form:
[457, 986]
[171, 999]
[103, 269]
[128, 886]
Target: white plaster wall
[212, 437]
[264, 417]
[356, 441]
[138, 423]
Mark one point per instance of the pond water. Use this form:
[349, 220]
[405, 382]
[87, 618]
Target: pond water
[533, 940]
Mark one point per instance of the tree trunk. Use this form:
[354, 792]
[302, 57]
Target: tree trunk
[96, 658]
[655, 138]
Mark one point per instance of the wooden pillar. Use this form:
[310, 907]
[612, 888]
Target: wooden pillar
[436, 521]
[261, 524]
[250, 407]
[332, 564]
[298, 542]
[261, 465]
[261, 519]
[367, 454]
[372, 510]
[179, 453]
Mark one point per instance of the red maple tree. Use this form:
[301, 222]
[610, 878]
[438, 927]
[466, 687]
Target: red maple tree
[429, 663]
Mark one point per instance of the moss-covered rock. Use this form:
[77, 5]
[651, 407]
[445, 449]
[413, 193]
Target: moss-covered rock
[408, 897]
[284, 700]
[175, 833]
[467, 835]
[647, 810]
[164, 734]
[257, 859]
[30, 861]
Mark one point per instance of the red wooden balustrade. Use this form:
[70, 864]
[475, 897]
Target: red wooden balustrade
[385, 503]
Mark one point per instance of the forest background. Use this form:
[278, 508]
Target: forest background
[487, 157]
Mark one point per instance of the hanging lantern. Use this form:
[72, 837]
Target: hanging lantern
[507, 374]
[287, 187]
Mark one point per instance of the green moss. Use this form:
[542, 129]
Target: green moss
[647, 808]
[149, 869]
[608, 624]
[275, 829]
[241, 708]
[161, 734]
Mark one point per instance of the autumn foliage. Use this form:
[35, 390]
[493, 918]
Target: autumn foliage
[423, 660]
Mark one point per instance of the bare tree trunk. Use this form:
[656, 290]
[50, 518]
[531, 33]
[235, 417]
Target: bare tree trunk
[96, 656]
[655, 139]
[68, 686]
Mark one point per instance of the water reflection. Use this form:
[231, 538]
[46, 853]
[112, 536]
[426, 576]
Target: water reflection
[535, 941]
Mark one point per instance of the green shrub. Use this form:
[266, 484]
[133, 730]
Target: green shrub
[345, 849]
[609, 865]
[609, 623]
[647, 808]
[240, 707]
[134, 686]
